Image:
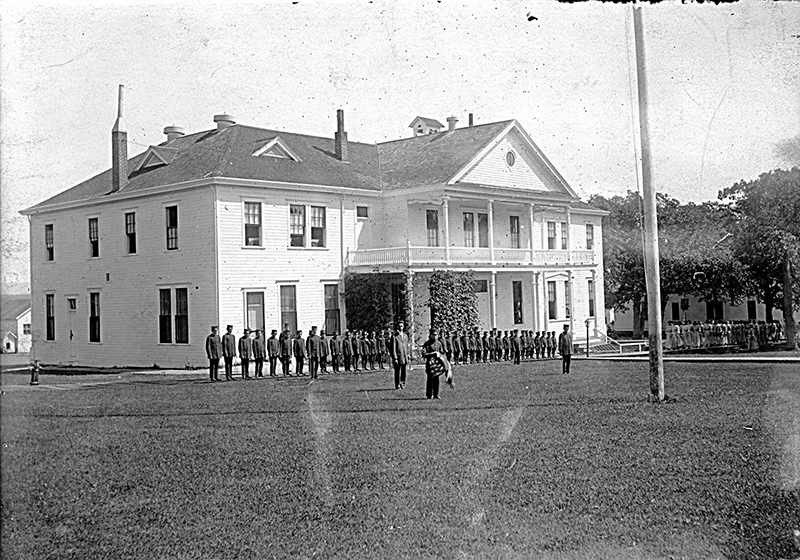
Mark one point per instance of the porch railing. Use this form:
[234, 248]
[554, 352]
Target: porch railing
[411, 255]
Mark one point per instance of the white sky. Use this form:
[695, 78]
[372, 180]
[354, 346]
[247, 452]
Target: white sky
[724, 83]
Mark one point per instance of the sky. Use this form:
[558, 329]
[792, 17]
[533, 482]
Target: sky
[723, 84]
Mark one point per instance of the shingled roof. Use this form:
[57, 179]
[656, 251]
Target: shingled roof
[228, 153]
[12, 306]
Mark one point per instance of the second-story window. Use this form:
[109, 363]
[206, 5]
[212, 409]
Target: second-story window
[297, 225]
[94, 238]
[514, 229]
[318, 226]
[589, 236]
[483, 230]
[432, 223]
[48, 242]
[252, 224]
[551, 235]
[469, 229]
[130, 231]
[564, 236]
[172, 228]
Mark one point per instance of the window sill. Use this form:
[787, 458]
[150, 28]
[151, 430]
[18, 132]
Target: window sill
[131, 255]
[308, 248]
[172, 250]
[174, 344]
[253, 247]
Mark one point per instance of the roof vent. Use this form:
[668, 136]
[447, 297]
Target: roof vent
[173, 132]
[451, 123]
[224, 121]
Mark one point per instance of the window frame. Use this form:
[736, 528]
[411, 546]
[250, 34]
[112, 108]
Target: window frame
[432, 236]
[171, 229]
[567, 309]
[359, 208]
[552, 301]
[514, 231]
[131, 241]
[95, 333]
[483, 229]
[26, 328]
[332, 315]
[564, 236]
[317, 242]
[589, 237]
[551, 236]
[518, 305]
[259, 318]
[287, 312]
[592, 303]
[469, 229]
[50, 317]
[174, 327]
[246, 216]
[94, 237]
[49, 242]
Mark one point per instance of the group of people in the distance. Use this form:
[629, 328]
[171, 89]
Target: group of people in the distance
[748, 335]
[374, 350]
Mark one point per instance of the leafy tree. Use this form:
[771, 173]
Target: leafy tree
[452, 300]
[368, 300]
[767, 211]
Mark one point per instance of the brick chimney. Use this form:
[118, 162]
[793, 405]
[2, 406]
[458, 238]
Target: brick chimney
[451, 123]
[470, 119]
[119, 149]
[340, 139]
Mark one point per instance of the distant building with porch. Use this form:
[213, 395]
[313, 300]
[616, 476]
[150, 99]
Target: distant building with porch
[257, 228]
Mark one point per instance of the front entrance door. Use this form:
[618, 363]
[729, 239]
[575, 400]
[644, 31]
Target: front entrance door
[73, 328]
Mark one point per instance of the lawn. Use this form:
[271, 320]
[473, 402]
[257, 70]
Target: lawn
[516, 462]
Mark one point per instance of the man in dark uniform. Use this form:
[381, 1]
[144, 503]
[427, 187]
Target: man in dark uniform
[355, 345]
[506, 346]
[347, 350]
[515, 346]
[214, 353]
[229, 351]
[259, 353]
[565, 349]
[285, 352]
[245, 353]
[485, 346]
[491, 343]
[299, 352]
[312, 352]
[273, 351]
[380, 343]
[336, 351]
[431, 351]
[399, 350]
[456, 345]
[323, 352]
[447, 344]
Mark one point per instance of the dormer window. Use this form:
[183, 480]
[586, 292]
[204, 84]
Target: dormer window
[274, 147]
[155, 156]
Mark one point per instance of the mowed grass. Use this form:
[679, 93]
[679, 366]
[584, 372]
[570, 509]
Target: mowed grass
[516, 462]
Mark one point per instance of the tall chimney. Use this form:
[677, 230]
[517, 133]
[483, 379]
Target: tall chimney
[470, 119]
[451, 123]
[340, 139]
[119, 149]
[173, 132]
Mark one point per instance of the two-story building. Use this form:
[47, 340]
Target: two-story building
[256, 228]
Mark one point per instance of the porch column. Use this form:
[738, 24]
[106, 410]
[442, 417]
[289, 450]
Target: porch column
[446, 210]
[490, 225]
[410, 308]
[536, 300]
[593, 295]
[569, 236]
[544, 232]
[493, 298]
[530, 228]
[571, 300]
[546, 308]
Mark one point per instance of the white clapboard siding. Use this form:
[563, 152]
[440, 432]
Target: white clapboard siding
[526, 173]
[128, 284]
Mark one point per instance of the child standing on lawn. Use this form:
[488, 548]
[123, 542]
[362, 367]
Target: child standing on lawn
[435, 365]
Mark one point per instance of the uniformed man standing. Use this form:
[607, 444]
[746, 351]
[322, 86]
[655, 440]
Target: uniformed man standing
[285, 352]
[259, 353]
[245, 353]
[229, 351]
[380, 343]
[399, 350]
[347, 350]
[434, 366]
[273, 351]
[214, 353]
[336, 351]
[565, 349]
[312, 352]
[323, 352]
[299, 352]
[355, 345]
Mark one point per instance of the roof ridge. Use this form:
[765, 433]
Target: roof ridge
[505, 122]
[278, 132]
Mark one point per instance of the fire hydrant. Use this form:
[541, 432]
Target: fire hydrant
[35, 369]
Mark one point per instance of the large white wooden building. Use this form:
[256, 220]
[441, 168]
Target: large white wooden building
[252, 227]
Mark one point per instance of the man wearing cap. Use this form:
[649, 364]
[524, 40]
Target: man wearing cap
[229, 351]
[434, 365]
[324, 350]
[399, 350]
[214, 353]
[347, 350]
[285, 352]
[313, 352]
[273, 351]
[336, 351]
[299, 352]
[565, 349]
[245, 353]
[259, 353]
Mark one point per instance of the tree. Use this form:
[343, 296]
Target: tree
[368, 300]
[452, 300]
[768, 234]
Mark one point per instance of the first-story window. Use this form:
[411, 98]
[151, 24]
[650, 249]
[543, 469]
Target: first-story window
[94, 238]
[516, 289]
[552, 310]
[182, 315]
[297, 225]
[289, 308]
[551, 235]
[589, 236]
[50, 316]
[165, 315]
[172, 227]
[255, 310]
[252, 224]
[130, 231]
[591, 298]
[94, 317]
[332, 318]
[48, 242]
[469, 229]
[318, 226]
[173, 315]
[567, 298]
[514, 229]
[432, 225]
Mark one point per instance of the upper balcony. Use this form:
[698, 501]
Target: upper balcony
[398, 258]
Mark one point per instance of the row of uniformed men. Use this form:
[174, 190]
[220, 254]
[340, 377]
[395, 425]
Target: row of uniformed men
[370, 348]
[748, 334]
[469, 347]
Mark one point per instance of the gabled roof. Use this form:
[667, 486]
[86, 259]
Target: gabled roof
[274, 147]
[433, 158]
[433, 123]
[155, 156]
[13, 306]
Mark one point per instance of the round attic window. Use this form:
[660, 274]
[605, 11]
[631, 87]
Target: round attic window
[511, 158]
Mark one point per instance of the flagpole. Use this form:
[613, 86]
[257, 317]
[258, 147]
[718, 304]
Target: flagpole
[651, 256]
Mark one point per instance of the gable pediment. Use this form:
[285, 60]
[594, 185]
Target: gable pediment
[155, 156]
[274, 147]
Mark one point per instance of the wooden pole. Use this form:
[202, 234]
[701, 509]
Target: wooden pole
[651, 257]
